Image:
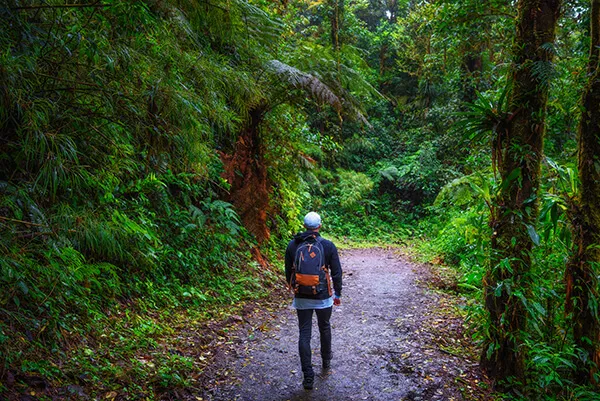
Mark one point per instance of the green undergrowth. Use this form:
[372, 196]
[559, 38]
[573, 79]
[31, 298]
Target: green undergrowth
[112, 219]
[138, 348]
[346, 243]
[383, 223]
[455, 238]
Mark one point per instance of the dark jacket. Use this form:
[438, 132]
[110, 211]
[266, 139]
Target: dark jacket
[332, 262]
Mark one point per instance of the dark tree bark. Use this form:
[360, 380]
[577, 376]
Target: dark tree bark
[582, 269]
[336, 18]
[514, 216]
[246, 172]
[594, 36]
[472, 67]
[382, 58]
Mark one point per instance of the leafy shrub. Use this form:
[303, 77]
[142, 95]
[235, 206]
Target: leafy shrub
[415, 177]
[110, 184]
[352, 191]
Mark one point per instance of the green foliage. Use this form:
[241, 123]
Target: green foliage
[351, 209]
[117, 123]
[352, 191]
[416, 177]
[110, 187]
[486, 117]
[460, 236]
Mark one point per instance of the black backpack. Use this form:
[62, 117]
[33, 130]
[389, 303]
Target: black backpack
[310, 276]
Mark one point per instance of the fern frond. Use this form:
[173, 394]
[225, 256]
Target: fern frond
[550, 48]
[390, 173]
[236, 22]
[260, 25]
[91, 235]
[307, 82]
[462, 191]
[544, 72]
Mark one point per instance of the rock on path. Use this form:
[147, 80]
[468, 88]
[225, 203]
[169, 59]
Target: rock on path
[381, 349]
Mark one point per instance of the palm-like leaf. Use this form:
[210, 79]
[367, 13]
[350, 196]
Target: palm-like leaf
[328, 92]
[307, 82]
[485, 117]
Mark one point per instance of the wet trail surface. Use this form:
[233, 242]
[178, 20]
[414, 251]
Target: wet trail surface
[386, 343]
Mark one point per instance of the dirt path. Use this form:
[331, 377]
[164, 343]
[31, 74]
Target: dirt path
[392, 340]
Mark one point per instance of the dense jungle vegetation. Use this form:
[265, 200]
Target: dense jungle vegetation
[157, 155]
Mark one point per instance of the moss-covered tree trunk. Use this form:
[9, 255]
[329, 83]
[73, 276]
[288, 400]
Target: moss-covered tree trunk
[506, 283]
[336, 16]
[246, 172]
[582, 270]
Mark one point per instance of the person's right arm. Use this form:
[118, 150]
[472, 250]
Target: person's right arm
[289, 261]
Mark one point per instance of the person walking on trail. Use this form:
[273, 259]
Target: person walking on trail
[312, 268]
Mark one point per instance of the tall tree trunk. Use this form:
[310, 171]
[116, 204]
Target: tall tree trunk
[507, 280]
[472, 68]
[382, 58]
[336, 18]
[246, 172]
[472, 61]
[582, 270]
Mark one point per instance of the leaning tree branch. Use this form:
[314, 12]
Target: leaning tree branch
[37, 7]
[22, 222]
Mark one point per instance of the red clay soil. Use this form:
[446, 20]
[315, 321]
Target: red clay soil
[246, 172]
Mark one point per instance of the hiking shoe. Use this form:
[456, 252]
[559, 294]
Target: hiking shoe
[326, 364]
[308, 383]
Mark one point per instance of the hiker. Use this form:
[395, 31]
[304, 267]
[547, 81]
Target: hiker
[311, 265]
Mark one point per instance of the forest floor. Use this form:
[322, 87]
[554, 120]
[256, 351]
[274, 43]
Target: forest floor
[396, 336]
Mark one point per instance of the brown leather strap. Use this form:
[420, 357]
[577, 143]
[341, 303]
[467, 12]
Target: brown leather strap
[328, 280]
